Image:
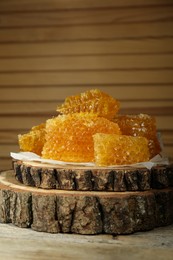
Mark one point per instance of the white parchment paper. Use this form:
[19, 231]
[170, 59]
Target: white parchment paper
[29, 156]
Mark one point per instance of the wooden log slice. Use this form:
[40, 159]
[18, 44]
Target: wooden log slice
[92, 178]
[83, 212]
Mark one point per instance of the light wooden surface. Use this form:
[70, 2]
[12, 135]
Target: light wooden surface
[17, 243]
[50, 49]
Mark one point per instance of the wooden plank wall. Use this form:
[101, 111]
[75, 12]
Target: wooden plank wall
[50, 49]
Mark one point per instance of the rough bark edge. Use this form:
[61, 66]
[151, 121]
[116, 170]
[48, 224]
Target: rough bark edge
[87, 212]
[110, 179]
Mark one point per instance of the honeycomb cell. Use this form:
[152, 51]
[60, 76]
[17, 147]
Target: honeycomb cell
[94, 101]
[69, 137]
[140, 125]
[112, 149]
[34, 140]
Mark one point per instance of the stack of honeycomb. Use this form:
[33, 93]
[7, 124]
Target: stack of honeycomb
[89, 129]
[69, 137]
[140, 125]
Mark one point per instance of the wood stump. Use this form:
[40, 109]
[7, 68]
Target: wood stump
[84, 178]
[83, 212]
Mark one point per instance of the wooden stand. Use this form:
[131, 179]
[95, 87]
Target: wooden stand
[84, 178]
[83, 212]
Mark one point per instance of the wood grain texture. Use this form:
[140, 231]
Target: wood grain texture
[87, 32]
[41, 5]
[57, 93]
[90, 62]
[88, 77]
[87, 16]
[87, 47]
[53, 49]
[38, 245]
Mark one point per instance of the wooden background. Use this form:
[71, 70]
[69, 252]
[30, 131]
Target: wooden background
[50, 49]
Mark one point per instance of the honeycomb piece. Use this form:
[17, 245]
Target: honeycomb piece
[69, 137]
[94, 101]
[140, 125]
[112, 149]
[34, 140]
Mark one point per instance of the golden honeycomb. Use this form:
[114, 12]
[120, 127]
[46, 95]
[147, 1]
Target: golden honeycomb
[94, 101]
[140, 125]
[88, 115]
[69, 137]
[112, 149]
[34, 140]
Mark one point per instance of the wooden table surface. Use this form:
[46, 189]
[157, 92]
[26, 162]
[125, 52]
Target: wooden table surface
[19, 243]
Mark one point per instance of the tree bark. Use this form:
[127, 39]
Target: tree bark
[83, 212]
[92, 178]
